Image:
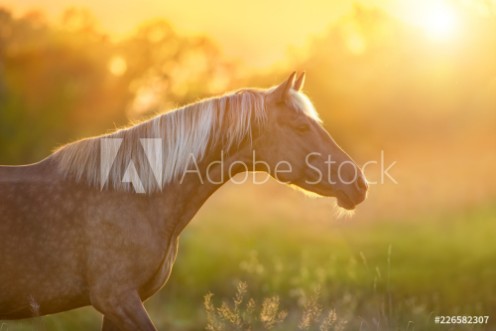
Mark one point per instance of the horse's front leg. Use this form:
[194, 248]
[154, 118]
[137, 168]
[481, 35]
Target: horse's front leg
[123, 313]
[107, 325]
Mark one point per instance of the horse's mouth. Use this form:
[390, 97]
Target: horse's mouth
[344, 200]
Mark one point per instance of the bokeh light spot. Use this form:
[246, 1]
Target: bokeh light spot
[117, 65]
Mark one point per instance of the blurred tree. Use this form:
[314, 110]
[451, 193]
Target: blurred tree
[168, 70]
[62, 82]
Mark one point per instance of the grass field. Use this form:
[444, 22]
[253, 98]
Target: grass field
[389, 274]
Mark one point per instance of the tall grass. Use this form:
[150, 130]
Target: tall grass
[244, 314]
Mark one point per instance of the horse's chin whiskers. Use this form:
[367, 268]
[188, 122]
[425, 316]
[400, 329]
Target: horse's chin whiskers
[307, 193]
[340, 212]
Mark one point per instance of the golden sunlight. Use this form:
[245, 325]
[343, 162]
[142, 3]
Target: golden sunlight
[439, 21]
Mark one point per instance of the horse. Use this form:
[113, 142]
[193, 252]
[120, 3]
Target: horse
[98, 221]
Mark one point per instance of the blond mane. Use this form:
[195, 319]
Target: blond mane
[185, 134]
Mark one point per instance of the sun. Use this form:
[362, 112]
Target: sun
[439, 21]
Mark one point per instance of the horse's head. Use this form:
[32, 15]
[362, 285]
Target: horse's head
[300, 151]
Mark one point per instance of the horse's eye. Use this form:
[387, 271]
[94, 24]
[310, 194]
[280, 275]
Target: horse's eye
[302, 127]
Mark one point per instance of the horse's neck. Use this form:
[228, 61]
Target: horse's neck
[195, 187]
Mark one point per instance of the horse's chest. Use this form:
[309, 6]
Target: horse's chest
[162, 275]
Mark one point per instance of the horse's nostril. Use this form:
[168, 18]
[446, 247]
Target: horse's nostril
[361, 184]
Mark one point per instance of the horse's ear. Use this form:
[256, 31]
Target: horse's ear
[298, 86]
[283, 89]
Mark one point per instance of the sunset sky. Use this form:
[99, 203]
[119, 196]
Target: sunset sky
[259, 32]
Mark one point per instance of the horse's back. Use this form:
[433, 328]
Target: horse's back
[40, 170]
[21, 190]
